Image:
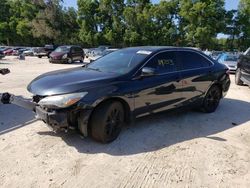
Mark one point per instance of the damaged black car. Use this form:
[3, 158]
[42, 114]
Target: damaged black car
[100, 98]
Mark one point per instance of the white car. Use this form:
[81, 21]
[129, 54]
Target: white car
[29, 52]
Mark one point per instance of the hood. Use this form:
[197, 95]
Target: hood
[68, 81]
[57, 54]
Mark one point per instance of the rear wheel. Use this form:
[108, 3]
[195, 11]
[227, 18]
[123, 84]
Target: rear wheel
[39, 56]
[106, 122]
[238, 80]
[82, 60]
[212, 99]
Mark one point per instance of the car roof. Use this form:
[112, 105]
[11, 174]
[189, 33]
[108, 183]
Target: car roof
[160, 48]
[69, 46]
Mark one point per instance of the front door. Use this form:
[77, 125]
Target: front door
[160, 91]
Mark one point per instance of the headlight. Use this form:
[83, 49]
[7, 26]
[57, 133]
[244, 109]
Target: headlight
[61, 101]
[64, 56]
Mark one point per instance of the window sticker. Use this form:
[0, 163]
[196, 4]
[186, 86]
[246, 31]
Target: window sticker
[144, 52]
[163, 62]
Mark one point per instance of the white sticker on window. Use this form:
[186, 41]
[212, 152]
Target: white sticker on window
[145, 52]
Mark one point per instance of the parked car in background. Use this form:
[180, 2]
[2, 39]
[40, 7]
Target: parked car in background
[67, 54]
[242, 75]
[29, 52]
[216, 54]
[16, 50]
[8, 51]
[1, 55]
[92, 52]
[101, 97]
[230, 60]
[45, 51]
[20, 51]
[103, 53]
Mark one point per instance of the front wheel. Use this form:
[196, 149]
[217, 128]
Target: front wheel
[106, 121]
[212, 99]
[238, 80]
[70, 60]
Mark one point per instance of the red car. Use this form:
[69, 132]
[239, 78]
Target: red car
[8, 51]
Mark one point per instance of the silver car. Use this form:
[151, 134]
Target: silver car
[230, 60]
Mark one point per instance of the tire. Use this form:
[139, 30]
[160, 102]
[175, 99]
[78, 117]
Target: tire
[82, 60]
[107, 121]
[238, 81]
[212, 99]
[70, 60]
[39, 56]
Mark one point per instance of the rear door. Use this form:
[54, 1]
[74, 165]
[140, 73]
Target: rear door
[196, 74]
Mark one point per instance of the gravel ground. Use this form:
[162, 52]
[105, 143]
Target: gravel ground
[170, 149]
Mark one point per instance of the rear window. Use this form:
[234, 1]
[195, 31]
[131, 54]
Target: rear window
[62, 49]
[192, 60]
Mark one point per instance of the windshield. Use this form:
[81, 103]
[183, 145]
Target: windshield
[121, 61]
[62, 49]
[231, 58]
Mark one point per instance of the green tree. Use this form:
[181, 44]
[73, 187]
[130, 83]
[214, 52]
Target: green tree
[244, 24]
[201, 21]
[5, 34]
[88, 12]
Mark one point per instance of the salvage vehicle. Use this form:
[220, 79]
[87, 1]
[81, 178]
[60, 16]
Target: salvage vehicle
[242, 75]
[99, 98]
[67, 54]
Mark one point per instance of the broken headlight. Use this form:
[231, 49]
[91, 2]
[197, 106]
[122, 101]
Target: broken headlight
[61, 101]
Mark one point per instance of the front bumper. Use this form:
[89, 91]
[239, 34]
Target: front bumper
[56, 120]
[60, 119]
[58, 60]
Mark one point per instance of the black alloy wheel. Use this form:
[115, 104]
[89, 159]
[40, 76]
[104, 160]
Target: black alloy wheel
[212, 99]
[107, 121]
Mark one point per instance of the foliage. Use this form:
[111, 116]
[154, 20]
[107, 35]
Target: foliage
[122, 23]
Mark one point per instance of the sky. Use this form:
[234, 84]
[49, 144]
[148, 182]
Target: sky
[230, 4]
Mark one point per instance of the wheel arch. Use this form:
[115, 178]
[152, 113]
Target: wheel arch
[125, 104]
[85, 125]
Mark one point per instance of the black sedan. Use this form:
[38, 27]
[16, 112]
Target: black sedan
[99, 98]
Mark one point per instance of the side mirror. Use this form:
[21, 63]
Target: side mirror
[147, 71]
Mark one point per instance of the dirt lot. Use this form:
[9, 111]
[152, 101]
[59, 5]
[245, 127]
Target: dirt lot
[171, 149]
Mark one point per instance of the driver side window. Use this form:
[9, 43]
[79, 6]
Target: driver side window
[164, 62]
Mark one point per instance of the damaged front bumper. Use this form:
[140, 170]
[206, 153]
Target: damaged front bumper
[56, 120]
[60, 119]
